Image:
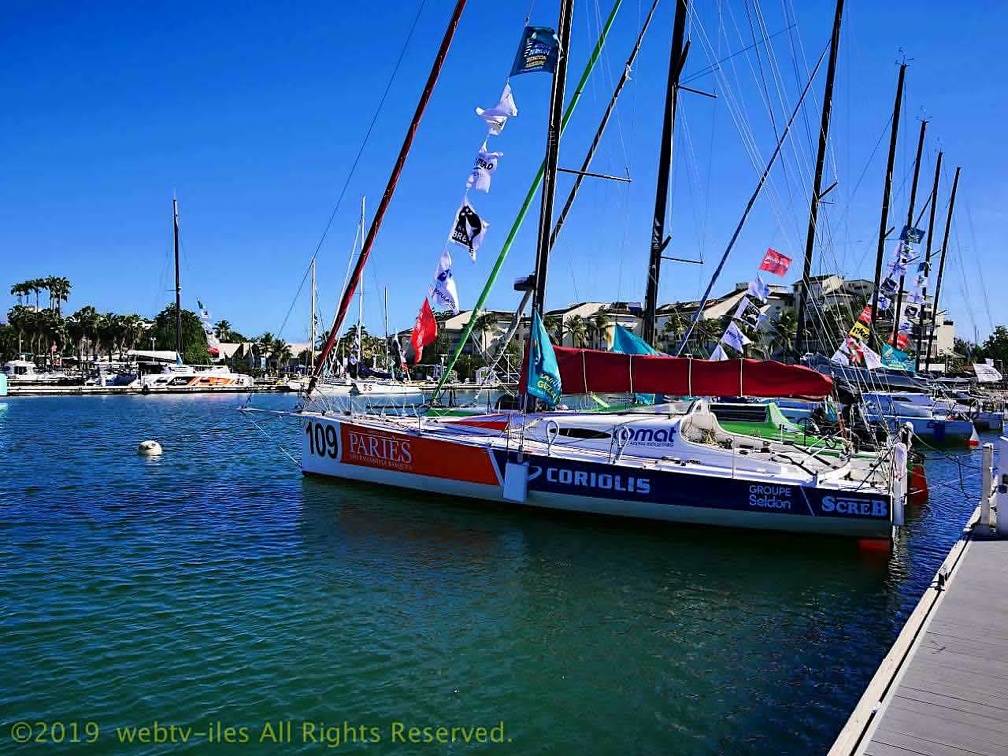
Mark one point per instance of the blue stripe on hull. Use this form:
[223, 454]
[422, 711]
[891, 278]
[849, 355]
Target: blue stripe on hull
[593, 480]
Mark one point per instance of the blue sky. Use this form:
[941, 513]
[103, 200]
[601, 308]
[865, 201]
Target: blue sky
[252, 114]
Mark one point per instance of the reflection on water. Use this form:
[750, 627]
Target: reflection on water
[217, 582]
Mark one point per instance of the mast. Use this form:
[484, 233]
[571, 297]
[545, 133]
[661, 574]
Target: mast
[552, 154]
[927, 259]
[941, 267]
[885, 193]
[360, 296]
[564, 24]
[388, 352]
[817, 192]
[677, 57]
[389, 189]
[311, 328]
[910, 210]
[178, 283]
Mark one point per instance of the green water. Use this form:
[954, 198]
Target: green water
[214, 587]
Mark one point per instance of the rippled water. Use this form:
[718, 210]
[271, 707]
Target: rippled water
[215, 584]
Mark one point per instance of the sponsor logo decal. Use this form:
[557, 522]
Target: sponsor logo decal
[364, 448]
[565, 477]
[770, 497]
[848, 505]
[653, 436]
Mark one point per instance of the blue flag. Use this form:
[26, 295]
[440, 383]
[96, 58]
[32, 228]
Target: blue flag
[896, 358]
[537, 51]
[627, 342]
[543, 373]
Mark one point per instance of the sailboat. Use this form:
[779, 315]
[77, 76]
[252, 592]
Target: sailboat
[361, 387]
[678, 466]
[182, 378]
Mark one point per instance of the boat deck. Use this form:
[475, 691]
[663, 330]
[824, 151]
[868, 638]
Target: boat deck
[753, 458]
[943, 688]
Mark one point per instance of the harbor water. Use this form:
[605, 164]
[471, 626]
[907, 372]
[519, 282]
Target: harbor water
[215, 591]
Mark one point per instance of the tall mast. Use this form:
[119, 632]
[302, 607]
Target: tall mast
[311, 327]
[360, 296]
[910, 221]
[564, 24]
[389, 189]
[677, 57]
[883, 223]
[817, 193]
[388, 352]
[941, 266]
[178, 282]
[927, 258]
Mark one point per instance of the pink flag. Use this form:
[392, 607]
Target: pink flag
[776, 263]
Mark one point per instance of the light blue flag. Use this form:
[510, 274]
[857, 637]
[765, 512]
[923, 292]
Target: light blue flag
[896, 358]
[543, 373]
[627, 342]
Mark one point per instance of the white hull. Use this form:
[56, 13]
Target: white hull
[480, 464]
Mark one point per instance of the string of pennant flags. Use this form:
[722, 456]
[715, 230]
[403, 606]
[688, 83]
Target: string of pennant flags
[854, 349]
[748, 312]
[537, 52]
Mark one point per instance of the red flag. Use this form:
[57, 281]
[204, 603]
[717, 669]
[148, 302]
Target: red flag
[776, 263]
[865, 316]
[424, 331]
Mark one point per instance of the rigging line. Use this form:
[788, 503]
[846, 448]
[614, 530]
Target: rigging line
[717, 64]
[367, 136]
[752, 201]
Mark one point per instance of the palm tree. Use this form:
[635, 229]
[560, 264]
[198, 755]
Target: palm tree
[785, 328]
[223, 330]
[601, 324]
[59, 292]
[554, 327]
[674, 325]
[578, 330]
[281, 353]
[484, 324]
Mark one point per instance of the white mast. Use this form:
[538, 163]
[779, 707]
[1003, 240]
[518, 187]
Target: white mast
[311, 329]
[388, 352]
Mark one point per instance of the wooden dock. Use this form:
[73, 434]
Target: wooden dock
[943, 687]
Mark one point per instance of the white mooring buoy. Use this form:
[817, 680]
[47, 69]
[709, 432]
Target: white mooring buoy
[149, 449]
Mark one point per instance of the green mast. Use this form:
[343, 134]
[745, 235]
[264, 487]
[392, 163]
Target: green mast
[516, 226]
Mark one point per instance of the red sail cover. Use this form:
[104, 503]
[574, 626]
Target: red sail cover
[584, 371]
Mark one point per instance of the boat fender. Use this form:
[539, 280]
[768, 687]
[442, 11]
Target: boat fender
[918, 484]
[899, 482]
[149, 449]
[515, 482]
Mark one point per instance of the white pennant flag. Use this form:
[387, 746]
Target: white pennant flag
[443, 290]
[497, 116]
[719, 353]
[734, 337]
[872, 360]
[469, 229]
[758, 289]
[483, 169]
[840, 357]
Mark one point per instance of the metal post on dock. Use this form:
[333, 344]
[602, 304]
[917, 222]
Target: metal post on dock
[986, 468]
[999, 497]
